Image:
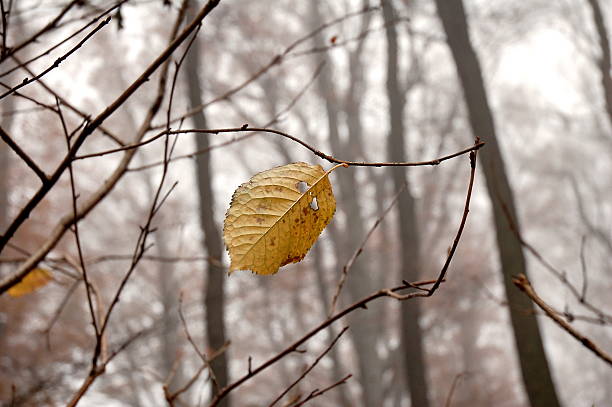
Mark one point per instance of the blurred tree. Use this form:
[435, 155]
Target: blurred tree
[534, 365]
[214, 294]
[604, 63]
[359, 282]
[409, 237]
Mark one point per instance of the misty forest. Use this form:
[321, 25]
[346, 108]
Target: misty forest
[370, 203]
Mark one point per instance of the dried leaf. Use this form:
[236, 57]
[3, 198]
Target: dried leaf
[34, 280]
[275, 218]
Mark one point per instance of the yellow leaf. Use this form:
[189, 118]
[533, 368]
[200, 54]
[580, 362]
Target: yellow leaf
[34, 280]
[276, 217]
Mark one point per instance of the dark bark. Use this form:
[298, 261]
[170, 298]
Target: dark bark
[409, 238]
[363, 324]
[214, 294]
[4, 177]
[604, 59]
[532, 357]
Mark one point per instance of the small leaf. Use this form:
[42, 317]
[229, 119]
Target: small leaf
[275, 218]
[34, 280]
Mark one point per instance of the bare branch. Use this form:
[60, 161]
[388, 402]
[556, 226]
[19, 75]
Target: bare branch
[358, 251]
[523, 283]
[317, 360]
[58, 61]
[23, 155]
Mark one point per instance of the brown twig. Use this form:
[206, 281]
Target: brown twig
[523, 283]
[59, 230]
[274, 120]
[307, 370]
[77, 238]
[171, 397]
[64, 102]
[58, 61]
[23, 155]
[276, 60]
[316, 393]
[389, 292]
[449, 396]
[603, 316]
[98, 366]
[317, 152]
[34, 37]
[204, 359]
[466, 210]
[359, 250]
[63, 41]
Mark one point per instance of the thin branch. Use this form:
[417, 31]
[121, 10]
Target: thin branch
[276, 60]
[318, 153]
[65, 102]
[58, 61]
[466, 210]
[388, 292]
[49, 50]
[170, 397]
[59, 310]
[204, 359]
[523, 283]
[33, 38]
[449, 396]
[307, 370]
[23, 155]
[76, 224]
[583, 266]
[59, 230]
[274, 120]
[316, 393]
[359, 250]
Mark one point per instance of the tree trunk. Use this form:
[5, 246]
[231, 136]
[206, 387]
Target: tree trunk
[532, 357]
[214, 295]
[411, 335]
[364, 331]
[604, 59]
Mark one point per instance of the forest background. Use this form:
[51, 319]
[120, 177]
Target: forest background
[127, 125]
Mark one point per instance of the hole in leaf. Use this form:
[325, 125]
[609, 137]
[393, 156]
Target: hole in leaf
[314, 205]
[302, 187]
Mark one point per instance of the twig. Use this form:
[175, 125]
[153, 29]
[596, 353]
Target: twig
[204, 359]
[585, 280]
[64, 102]
[318, 153]
[76, 224]
[523, 283]
[274, 120]
[141, 246]
[43, 30]
[449, 397]
[49, 50]
[59, 230]
[276, 60]
[58, 61]
[359, 250]
[59, 310]
[603, 316]
[23, 155]
[316, 393]
[299, 379]
[170, 397]
[466, 210]
[389, 292]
